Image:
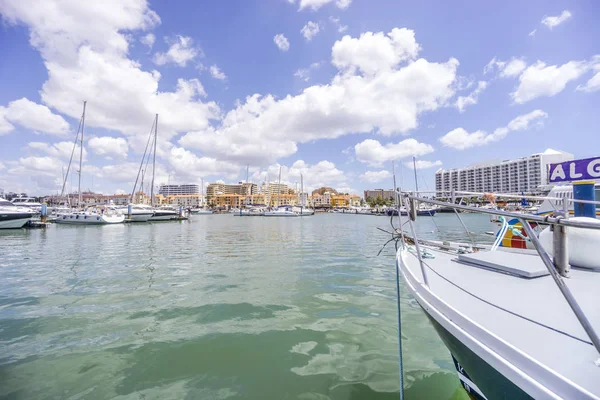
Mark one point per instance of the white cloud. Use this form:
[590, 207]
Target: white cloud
[148, 40]
[513, 68]
[542, 80]
[316, 4]
[340, 27]
[460, 139]
[181, 51]
[388, 101]
[187, 165]
[281, 41]
[376, 176]
[464, 101]
[304, 73]
[532, 33]
[216, 73]
[423, 164]
[62, 150]
[310, 30]
[374, 153]
[506, 69]
[33, 116]
[375, 52]
[593, 85]
[553, 21]
[323, 173]
[109, 146]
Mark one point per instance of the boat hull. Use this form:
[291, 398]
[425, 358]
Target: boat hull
[163, 216]
[141, 217]
[16, 221]
[280, 214]
[81, 219]
[479, 379]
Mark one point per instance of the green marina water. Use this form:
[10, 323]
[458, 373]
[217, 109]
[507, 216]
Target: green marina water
[217, 307]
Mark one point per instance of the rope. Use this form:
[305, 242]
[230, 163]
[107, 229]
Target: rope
[401, 369]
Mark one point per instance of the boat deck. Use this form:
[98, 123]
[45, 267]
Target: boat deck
[524, 319]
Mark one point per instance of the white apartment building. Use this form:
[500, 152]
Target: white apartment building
[524, 174]
[169, 190]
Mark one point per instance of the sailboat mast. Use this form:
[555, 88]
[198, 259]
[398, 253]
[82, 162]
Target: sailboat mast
[279, 188]
[154, 161]
[415, 168]
[141, 190]
[301, 192]
[81, 153]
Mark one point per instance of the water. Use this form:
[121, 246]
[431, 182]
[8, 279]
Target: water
[218, 307]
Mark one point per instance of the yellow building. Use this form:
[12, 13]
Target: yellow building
[185, 200]
[236, 200]
[284, 200]
[354, 200]
[340, 201]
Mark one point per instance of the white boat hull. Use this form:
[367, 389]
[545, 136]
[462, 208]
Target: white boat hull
[88, 219]
[163, 216]
[141, 217]
[280, 214]
[14, 223]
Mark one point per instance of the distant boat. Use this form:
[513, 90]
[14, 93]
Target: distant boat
[283, 211]
[12, 216]
[249, 212]
[200, 211]
[422, 212]
[28, 202]
[139, 212]
[164, 213]
[82, 217]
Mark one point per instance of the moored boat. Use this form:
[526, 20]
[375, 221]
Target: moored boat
[12, 216]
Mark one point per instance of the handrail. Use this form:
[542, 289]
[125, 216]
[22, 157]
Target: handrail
[528, 217]
[509, 195]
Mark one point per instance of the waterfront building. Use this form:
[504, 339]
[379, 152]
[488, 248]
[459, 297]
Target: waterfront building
[184, 200]
[168, 190]
[375, 193]
[322, 200]
[214, 189]
[236, 200]
[525, 174]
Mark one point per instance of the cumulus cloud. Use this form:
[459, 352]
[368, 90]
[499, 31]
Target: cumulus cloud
[506, 69]
[387, 98]
[148, 40]
[109, 146]
[216, 73]
[310, 30]
[374, 153]
[323, 173]
[553, 21]
[62, 150]
[339, 26]
[181, 51]
[593, 85]
[540, 79]
[461, 139]
[304, 73]
[464, 101]
[375, 52]
[314, 5]
[376, 176]
[32, 116]
[281, 42]
[423, 164]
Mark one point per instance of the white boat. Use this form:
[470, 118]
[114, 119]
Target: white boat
[303, 211]
[283, 211]
[12, 216]
[514, 327]
[557, 194]
[201, 211]
[139, 212]
[89, 218]
[28, 202]
[250, 212]
[83, 217]
[164, 213]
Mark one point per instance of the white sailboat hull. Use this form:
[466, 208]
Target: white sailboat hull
[88, 219]
[280, 214]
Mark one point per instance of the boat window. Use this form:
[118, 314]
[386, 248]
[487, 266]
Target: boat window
[6, 203]
[597, 194]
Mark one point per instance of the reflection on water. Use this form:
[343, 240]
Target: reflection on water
[215, 307]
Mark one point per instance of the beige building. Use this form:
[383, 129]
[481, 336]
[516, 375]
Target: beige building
[322, 201]
[236, 200]
[184, 200]
[214, 189]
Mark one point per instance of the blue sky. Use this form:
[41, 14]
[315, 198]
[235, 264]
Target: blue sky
[360, 83]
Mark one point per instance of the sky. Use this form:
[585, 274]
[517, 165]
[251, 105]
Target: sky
[333, 90]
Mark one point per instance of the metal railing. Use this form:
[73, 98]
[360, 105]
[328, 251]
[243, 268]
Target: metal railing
[557, 266]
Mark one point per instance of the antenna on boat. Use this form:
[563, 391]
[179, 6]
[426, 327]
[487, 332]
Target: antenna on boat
[415, 169]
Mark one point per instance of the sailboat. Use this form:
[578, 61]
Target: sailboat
[201, 210]
[303, 211]
[83, 217]
[280, 211]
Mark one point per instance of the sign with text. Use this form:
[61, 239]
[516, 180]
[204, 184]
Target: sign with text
[575, 170]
